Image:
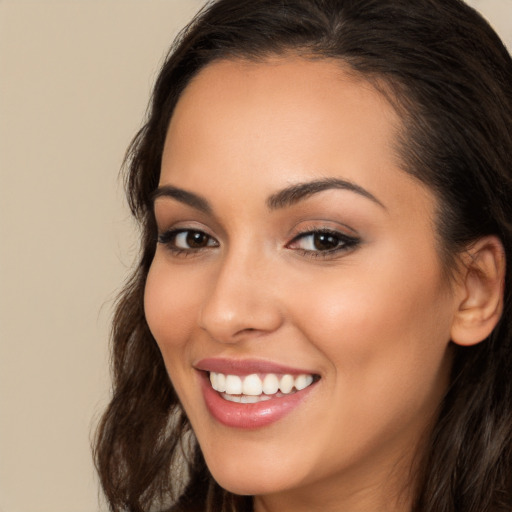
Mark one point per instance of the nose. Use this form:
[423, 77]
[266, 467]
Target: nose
[241, 300]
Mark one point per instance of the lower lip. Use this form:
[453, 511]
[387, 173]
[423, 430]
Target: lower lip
[249, 416]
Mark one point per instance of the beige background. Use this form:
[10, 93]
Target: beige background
[75, 77]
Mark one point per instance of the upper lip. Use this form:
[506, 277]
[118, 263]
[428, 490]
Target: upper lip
[246, 367]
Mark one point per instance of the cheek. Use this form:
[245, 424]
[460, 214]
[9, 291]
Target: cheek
[388, 355]
[384, 334]
[170, 305]
[386, 300]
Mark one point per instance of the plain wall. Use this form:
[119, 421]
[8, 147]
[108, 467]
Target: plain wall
[75, 78]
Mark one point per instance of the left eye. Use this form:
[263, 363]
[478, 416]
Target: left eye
[192, 240]
[187, 239]
[322, 241]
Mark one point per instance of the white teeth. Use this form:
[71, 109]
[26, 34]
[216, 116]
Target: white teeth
[233, 385]
[270, 384]
[245, 399]
[232, 398]
[286, 384]
[221, 382]
[303, 381]
[252, 385]
[252, 388]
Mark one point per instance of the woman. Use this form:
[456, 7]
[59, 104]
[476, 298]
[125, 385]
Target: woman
[320, 319]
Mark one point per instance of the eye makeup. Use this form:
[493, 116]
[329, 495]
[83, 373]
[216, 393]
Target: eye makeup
[323, 243]
[185, 241]
[311, 242]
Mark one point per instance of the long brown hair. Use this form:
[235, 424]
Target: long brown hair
[450, 79]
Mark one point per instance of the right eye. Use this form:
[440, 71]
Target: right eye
[187, 240]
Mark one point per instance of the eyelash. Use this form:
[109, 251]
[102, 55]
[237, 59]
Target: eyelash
[168, 239]
[344, 242]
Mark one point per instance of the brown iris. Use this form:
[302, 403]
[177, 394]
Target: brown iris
[197, 239]
[325, 241]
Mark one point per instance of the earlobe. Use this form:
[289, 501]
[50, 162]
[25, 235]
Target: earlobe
[481, 289]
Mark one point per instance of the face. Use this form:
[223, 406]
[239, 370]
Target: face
[297, 267]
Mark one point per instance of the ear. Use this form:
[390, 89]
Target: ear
[481, 289]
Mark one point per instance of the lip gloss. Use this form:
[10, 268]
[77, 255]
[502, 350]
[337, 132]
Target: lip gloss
[251, 415]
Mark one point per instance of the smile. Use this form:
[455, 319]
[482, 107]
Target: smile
[257, 388]
[251, 394]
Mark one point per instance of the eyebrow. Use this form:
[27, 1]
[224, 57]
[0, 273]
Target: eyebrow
[282, 199]
[183, 196]
[295, 193]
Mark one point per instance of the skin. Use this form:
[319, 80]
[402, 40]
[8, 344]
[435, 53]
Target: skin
[373, 320]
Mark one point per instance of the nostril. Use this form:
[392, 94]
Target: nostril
[233, 310]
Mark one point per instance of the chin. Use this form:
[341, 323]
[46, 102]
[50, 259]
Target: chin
[250, 479]
[249, 485]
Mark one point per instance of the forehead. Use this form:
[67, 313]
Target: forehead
[267, 124]
[292, 94]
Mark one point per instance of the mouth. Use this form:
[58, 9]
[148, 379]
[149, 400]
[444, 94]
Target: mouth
[252, 394]
[256, 388]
